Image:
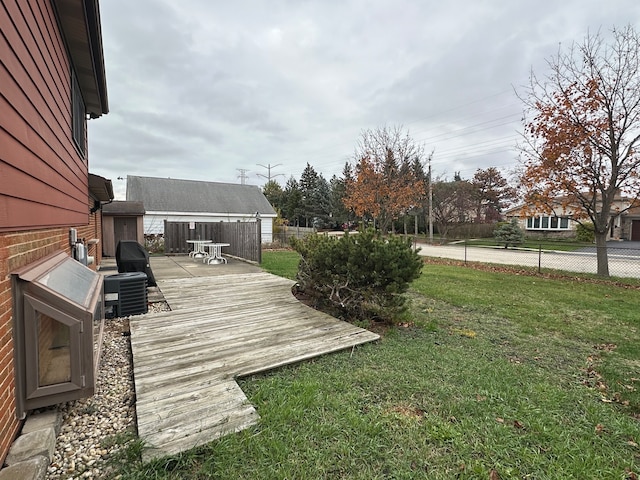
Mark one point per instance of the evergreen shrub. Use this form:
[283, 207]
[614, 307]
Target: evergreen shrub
[361, 275]
[509, 233]
[585, 232]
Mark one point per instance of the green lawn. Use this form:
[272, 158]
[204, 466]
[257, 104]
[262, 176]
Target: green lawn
[499, 376]
[281, 262]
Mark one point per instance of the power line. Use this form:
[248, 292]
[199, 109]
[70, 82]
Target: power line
[447, 137]
[323, 157]
[477, 149]
[322, 152]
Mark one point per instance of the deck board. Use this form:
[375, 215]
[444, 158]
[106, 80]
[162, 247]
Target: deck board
[186, 360]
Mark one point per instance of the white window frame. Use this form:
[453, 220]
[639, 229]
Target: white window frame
[547, 222]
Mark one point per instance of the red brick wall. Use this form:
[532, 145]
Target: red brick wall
[17, 250]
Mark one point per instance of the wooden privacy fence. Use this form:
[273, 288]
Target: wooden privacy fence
[284, 233]
[244, 238]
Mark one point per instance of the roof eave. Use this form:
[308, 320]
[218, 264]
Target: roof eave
[79, 21]
[100, 188]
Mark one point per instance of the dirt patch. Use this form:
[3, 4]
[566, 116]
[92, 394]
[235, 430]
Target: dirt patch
[381, 328]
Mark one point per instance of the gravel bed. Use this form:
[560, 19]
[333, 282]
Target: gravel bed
[86, 439]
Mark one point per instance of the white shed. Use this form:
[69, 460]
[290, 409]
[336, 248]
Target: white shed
[178, 200]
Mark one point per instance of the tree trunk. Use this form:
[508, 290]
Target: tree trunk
[443, 230]
[601, 253]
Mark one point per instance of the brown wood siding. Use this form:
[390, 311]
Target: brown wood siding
[43, 177]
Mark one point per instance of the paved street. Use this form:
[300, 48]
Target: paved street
[624, 258]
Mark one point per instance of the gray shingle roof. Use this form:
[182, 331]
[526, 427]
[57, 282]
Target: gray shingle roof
[123, 208]
[174, 195]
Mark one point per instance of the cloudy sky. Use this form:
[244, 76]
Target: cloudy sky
[220, 90]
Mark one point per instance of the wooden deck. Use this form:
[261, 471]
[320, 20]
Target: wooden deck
[222, 327]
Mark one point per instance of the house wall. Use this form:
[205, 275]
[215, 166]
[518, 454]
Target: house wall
[621, 230]
[625, 231]
[154, 222]
[44, 179]
[17, 249]
[43, 176]
[560, 234]
[91, 234]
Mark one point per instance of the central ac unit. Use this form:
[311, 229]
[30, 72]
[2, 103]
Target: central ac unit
[125, 294]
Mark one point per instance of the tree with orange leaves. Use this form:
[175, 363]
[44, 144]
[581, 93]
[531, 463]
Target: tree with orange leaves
[384, 185]
[582, 128]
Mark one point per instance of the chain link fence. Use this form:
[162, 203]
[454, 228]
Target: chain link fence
[624, 261]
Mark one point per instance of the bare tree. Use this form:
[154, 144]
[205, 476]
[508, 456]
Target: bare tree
[582, 128]
[452, 203]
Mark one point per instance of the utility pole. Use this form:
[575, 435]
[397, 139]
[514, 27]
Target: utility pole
[430, 203]
[268, 176]
[243, 175]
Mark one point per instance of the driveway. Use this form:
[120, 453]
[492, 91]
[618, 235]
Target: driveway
[618, 248]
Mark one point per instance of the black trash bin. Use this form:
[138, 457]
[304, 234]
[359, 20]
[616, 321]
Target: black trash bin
[132, 257]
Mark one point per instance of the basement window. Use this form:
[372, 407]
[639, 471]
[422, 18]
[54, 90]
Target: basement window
[58, 325]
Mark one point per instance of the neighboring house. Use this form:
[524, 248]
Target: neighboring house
[121, 221]
[630, 228]
[624, 226]
[176, 200]
[51, 78]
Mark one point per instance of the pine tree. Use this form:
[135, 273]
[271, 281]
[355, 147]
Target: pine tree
[509, 233]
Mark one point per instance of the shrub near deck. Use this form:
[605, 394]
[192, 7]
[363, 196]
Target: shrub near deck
[363, 276]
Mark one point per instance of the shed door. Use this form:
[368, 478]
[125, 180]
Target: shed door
[125, 228]
[635, 230]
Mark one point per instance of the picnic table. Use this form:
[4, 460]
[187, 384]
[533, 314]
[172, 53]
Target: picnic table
[214, 255]
[198, 248]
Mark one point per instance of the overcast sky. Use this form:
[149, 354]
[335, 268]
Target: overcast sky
[211, 90]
